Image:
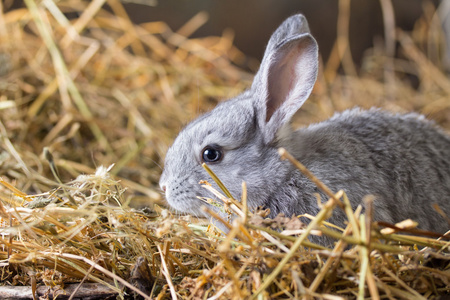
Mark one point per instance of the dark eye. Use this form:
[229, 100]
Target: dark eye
[212, 153]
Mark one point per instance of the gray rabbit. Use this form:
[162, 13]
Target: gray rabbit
[401, 159]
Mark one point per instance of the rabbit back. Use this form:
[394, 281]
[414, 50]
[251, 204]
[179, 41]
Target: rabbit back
[401, 159]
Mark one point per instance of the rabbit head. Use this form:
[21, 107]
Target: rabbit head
[239, 138]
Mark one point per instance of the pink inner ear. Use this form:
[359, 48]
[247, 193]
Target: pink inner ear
[283, 78]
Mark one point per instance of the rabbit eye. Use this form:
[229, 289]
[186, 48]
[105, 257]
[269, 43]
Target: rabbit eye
[212, 153]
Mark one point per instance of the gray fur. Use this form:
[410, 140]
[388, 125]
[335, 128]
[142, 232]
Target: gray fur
[401, 159]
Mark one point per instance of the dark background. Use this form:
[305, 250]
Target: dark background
[253, 21]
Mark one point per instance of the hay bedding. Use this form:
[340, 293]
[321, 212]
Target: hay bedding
[97, 90]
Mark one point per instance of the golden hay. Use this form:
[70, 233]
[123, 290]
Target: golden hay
[99, 90]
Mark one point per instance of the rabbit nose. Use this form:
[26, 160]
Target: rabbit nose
[162, 183]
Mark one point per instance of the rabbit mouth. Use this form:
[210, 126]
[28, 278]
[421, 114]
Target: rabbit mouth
[185, 202]
[193, 205]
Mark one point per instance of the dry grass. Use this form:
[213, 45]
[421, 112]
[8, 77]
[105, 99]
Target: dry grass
[99, 90]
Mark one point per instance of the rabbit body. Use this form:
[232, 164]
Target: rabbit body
[401, 159]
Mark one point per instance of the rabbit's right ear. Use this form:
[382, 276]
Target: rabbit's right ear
[286, 76]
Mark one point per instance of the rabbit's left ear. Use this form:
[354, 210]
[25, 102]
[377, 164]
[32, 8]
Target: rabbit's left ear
[286, 77]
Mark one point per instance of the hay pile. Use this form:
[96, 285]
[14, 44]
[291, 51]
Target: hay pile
[98, 90]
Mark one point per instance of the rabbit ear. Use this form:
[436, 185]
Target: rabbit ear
[287, 75]
[291, 27]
